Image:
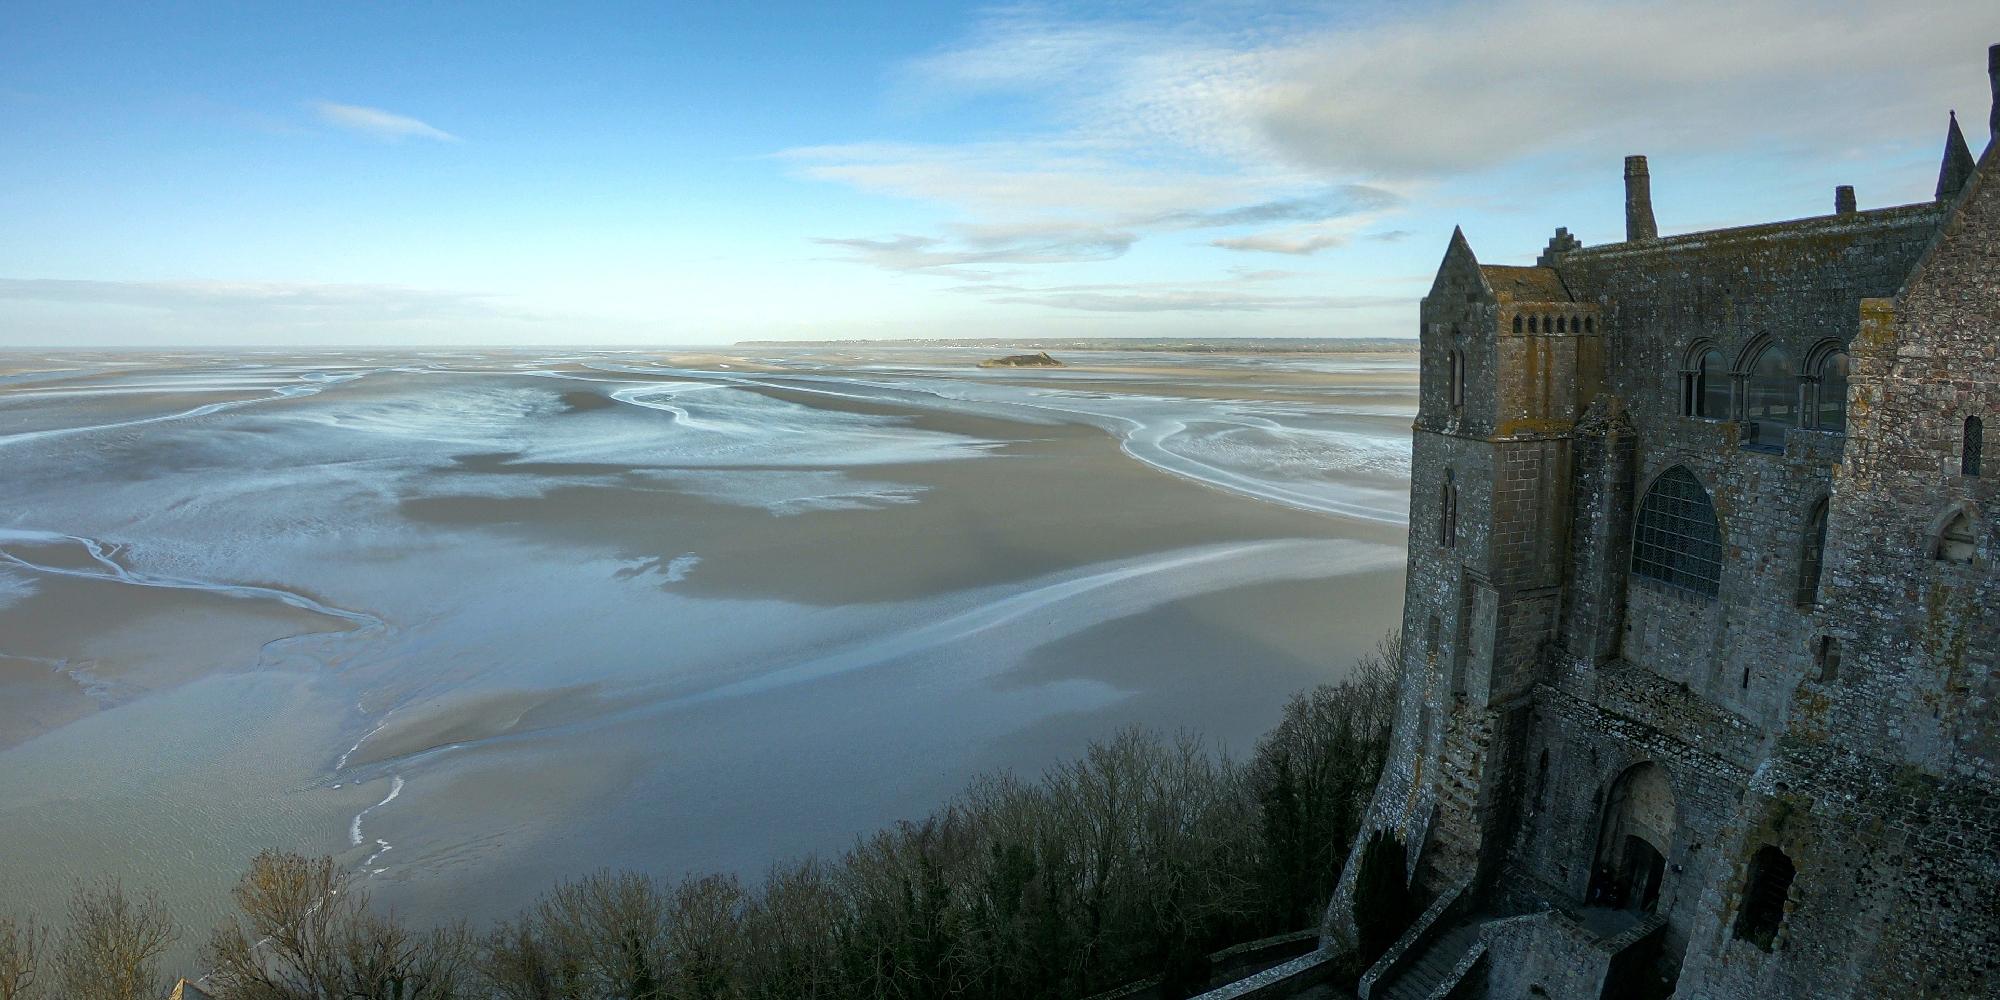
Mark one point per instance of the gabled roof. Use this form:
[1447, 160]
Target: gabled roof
[1525, 284]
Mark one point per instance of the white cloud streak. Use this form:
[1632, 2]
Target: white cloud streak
[378, 123]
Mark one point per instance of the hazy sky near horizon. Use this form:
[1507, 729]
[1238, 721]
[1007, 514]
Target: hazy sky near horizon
[214, 174]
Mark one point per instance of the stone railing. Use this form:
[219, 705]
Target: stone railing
[1411, 945]
[1280, 980]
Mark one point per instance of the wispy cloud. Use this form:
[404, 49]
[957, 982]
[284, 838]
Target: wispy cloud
[1280, 243]
[977, 246]
[378, 123]
[1242, 291]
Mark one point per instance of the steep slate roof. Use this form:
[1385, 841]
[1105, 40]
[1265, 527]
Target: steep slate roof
[1525, 284]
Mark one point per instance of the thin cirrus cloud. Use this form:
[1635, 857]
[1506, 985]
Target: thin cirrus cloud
[1306, 132]
[378, 123]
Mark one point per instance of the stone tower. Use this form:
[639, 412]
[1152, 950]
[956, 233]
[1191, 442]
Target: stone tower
[1700, 681]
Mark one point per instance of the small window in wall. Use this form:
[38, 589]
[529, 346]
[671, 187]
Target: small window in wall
[1971, 446]
[1457, 379]
[1448, 512]
[1826, 657]
[1812, 556]
[1770, 398]
[1763, 909]
[1677, 540]
[1955, 543]
[1517, 324]
[1710, 394]
[1830, 403]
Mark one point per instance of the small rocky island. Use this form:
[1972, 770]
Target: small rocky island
[1039, 359]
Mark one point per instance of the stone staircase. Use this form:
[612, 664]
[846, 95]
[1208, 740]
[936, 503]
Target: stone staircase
[1433, 968]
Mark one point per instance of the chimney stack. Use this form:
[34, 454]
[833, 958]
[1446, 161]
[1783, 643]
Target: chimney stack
[1639, 224]
[1993, 77]
[1843, 200]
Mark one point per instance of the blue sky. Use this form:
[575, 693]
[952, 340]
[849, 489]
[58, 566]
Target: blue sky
[194, 174]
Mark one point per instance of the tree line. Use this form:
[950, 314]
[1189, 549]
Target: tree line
[1133, 861]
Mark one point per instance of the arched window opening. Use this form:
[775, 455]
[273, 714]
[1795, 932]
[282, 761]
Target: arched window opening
[1589, 324]
[1830, 410]
[1562, 324]
[1973, 444]
[1448, 512]
[1771, 398]
[1678, 541]
[1534, 324]
[1517, 323]
[1826, 657]
[1955, 543]
[1763, 910]
[1457, 379]
[1812, 556]
[1711, 397]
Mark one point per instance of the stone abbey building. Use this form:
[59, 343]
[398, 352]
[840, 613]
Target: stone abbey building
[1701, 642]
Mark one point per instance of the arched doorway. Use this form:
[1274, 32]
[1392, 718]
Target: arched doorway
[1633, 839]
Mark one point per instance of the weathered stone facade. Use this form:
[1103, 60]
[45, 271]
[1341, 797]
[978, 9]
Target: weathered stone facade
[1700, 693]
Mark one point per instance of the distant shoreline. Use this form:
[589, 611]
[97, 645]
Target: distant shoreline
[1244, 345]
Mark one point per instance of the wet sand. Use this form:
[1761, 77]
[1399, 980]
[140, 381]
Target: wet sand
[476, 622]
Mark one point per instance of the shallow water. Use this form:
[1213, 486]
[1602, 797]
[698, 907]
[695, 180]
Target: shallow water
[475, 621]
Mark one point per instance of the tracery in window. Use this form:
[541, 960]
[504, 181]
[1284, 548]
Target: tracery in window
[1677, 540]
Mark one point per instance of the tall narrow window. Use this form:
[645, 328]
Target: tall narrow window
[1771, 397]
[1830, 409]
[1448, 512]
[1457, 379]
[1763, 909]
[1826, 655]
[1711, 386]
[1678, 541]
[1974, 443]
[1812, 555]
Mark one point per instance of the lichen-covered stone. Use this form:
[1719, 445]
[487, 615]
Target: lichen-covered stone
[1829, 755]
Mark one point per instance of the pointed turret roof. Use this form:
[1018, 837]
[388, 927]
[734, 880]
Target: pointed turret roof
[1958, 163]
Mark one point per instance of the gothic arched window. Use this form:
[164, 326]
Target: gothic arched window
[1677, 540]
[1971, 446]
[1771, 396]
[1812, 554]
[1706, 390]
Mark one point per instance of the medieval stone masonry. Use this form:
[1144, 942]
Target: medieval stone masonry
[1701, 677]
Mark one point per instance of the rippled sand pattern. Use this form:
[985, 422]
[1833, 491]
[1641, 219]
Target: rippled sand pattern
[474, 621]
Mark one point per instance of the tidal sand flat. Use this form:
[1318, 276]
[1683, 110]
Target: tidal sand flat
[473, 622]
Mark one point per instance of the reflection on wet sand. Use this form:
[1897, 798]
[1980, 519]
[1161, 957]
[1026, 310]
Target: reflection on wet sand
[472, 621]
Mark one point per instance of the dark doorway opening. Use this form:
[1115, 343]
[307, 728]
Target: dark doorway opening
[1644, 868]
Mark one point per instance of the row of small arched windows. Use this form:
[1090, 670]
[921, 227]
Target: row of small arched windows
[1678, 539]
[1554, 324]
[1768, 393]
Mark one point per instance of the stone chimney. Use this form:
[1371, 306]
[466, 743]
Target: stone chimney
[1639, 224]
[1993, 77]
[1843, 200]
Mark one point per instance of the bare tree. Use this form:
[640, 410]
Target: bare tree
[306, 933]
[21, 947]
[110, 949]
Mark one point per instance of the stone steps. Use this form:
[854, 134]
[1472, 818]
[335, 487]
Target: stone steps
[1430, 970]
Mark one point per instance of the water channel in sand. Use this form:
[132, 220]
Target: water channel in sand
[475, 621]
